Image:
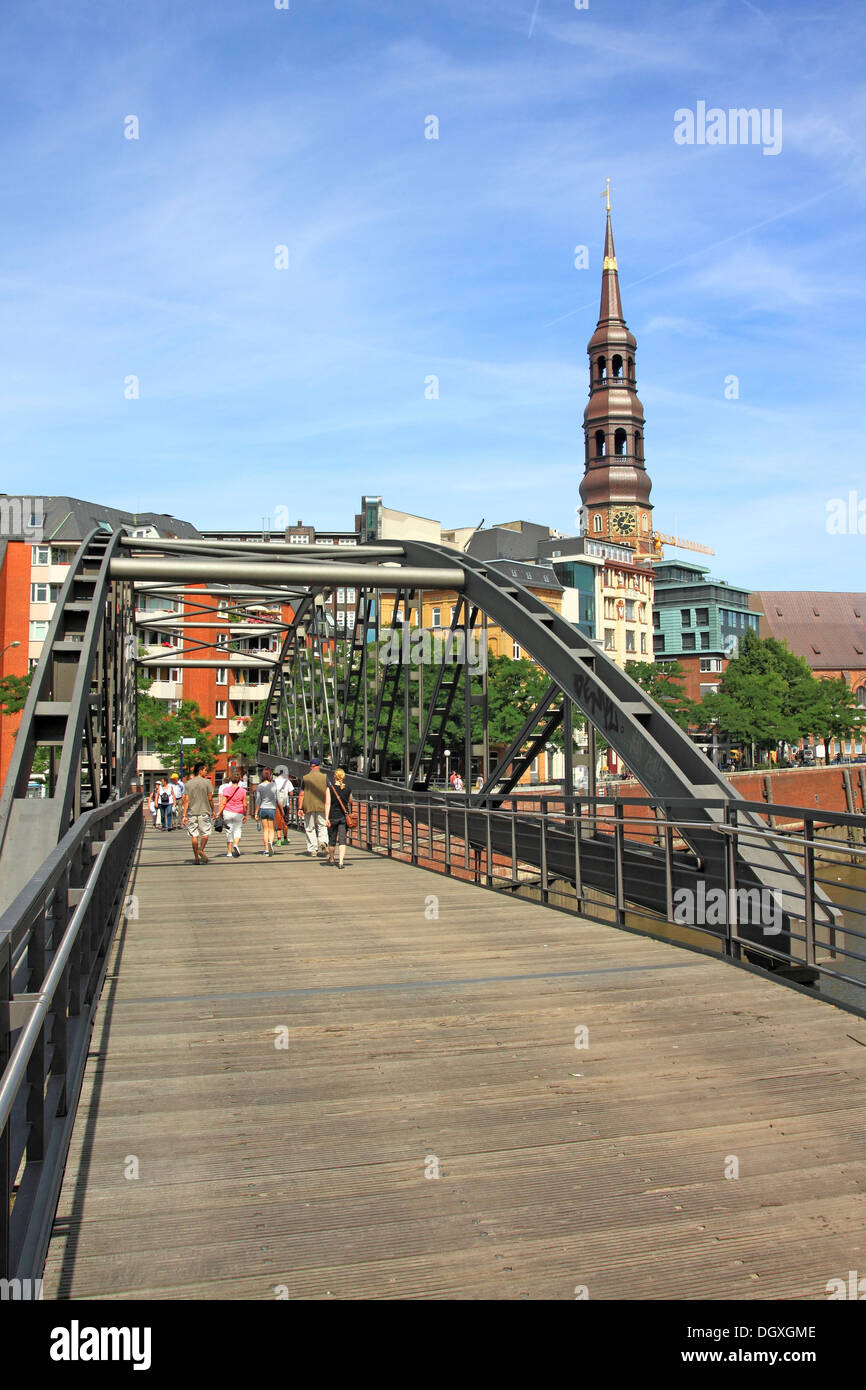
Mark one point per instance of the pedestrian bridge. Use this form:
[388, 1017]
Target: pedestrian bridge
[383, 1083]
[266, 1079]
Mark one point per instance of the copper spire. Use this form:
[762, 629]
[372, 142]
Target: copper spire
[611, 304]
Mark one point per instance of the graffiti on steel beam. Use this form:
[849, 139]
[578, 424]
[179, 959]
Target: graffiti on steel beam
[598, 707]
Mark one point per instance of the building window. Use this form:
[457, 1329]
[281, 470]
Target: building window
[38, 631]
[350, 595]
[453, 611]
[223, 742]
[347, 542]
[299, 540]
[629, 640]
[643, 643]
[702, 617]
[709, 690]
[656, 618]
[609, 639]
[515, 651]
[41, 555]
[629, 610]
[705, 639]
[659, 642]
[175, 675]
[686, 615]
[597, 522]
[221, 675]
[436, 617]
[220, 712]
[711, 663]
[688, 641]
[610, 608]
[59, 555]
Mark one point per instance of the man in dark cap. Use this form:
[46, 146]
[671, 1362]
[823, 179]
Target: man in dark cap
[311, 805]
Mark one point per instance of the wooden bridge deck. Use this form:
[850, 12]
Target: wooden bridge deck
[415, 1040]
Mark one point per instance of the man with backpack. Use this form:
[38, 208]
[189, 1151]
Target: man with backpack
[165, 801]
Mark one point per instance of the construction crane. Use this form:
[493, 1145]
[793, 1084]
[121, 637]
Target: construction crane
[661, 539]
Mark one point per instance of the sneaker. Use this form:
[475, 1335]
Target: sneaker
[202, 857]
[236, 852]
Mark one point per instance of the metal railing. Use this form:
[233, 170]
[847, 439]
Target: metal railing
[54, 943]
[808, 930]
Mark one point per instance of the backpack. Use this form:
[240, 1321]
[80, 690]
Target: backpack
[164, 798]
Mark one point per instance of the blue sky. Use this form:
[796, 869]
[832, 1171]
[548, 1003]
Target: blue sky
[304, 388]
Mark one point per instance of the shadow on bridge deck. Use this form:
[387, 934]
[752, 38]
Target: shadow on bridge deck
[419, 1044]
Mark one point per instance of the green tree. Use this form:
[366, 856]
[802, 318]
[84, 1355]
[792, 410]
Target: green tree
[768, 695]
[13, 693]
[165, 731]
[246, 745]
[840, 715]
[662, 681]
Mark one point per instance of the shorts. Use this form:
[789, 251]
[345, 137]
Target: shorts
[267, 813]
[200, 825]
[337, 832]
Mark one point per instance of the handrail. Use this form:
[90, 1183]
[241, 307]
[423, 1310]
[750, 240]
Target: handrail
[805, 951]
[65, 917]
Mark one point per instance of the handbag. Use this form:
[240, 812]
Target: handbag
[219, 824]
[351, 818]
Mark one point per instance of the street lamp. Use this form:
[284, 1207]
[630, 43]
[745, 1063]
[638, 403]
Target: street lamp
[8, 648]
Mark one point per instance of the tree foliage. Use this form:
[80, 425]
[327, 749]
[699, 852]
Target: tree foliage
[13, 693]
[662, 681]
[768, 695]
[166, 730]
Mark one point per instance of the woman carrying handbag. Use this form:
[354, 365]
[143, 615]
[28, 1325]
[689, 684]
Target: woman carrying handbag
[338, 799]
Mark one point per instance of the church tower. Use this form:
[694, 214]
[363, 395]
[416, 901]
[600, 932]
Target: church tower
[615, 489]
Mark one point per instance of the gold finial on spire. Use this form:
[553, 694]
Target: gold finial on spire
[609, 258]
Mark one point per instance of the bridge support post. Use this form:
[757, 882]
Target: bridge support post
[619, 854]
[809, 889]
[732, 945]
[5, 1147]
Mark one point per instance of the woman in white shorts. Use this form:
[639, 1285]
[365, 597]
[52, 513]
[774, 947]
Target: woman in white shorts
[233, 809]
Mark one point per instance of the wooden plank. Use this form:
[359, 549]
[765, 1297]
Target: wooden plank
[420, 1043]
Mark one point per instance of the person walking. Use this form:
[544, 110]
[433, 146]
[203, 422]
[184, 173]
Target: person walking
[233, 805]
[267, 806]
[311, 805]
[285, 789]
[153, 806]
[197, 812]
[338, 799]
[165, 801]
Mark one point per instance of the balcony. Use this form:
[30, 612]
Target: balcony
[166, 690]
[238, 726]
[626, 383]
[629, 460]
[239, 691]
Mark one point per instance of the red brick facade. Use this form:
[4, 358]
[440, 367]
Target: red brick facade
[14, 626]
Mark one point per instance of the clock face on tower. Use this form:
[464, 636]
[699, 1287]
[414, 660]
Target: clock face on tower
[623, 523]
